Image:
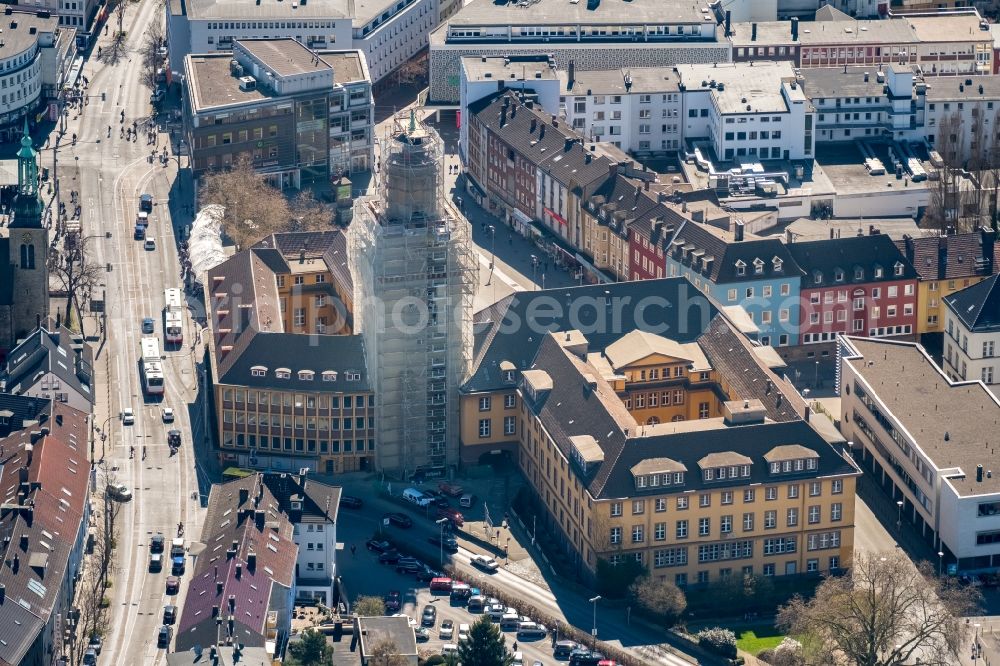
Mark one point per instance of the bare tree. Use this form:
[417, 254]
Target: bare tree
[309, 214]
[884, 612]
[386, 653]
[660, 597]
[77, 273]
[945, 204]
[368, 606]
[153, 41]
[413, 70]
[253, 207]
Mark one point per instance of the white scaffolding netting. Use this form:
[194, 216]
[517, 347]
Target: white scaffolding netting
[205, 242]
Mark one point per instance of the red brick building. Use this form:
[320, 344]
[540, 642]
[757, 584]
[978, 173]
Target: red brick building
[861, 285]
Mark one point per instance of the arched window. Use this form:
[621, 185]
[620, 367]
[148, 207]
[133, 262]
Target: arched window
[677, 417]
[652, 420]
[27, 256]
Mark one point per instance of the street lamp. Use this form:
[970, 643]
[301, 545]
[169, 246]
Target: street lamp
[816, 378]
[493, 251]
[593, 632]
[534, 272]
[940, 563]
[899, 515]
[440, 523]
[975, 645]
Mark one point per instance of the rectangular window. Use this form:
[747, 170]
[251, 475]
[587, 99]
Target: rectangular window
[660, 531]
[792, 517]
[681, 530]
[748, 522]
[616, 509]
[704, 526]
[836, 511]
[813, 514]
[770, 520]
[485, 426]
[638, 507]
[748, 495]
[615, 537]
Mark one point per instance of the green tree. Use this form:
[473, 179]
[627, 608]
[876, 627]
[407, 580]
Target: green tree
[369, 607]
[485, 646]
[311, 650]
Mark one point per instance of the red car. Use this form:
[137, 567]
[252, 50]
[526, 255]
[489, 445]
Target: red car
[173, 584]
[393, 601]
[451, 514]
[452, 490]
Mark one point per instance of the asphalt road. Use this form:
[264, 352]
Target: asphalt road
[110, 174]
[363, 575]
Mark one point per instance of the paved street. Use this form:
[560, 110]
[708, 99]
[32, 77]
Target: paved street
[111, 173]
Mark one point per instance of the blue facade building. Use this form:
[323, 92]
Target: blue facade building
[756, 273]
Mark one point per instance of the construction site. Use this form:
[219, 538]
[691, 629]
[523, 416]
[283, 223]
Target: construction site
[415, 277]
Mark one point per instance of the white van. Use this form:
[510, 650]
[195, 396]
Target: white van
[510, 621]
[417, 497]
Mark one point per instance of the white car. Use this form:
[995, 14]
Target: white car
[449, 648]
[120, 492]
[447, 630]
[487, 564]
[463, 632]
[128, 416]
[150, 244]
[168, 415]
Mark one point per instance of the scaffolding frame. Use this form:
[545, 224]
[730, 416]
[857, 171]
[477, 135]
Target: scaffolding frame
[415, 277]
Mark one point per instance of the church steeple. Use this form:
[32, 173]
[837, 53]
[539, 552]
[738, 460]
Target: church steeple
[27, 205]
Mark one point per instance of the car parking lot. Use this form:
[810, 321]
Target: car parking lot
[363, 574]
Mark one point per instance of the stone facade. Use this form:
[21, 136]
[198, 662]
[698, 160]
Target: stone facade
[445, 65]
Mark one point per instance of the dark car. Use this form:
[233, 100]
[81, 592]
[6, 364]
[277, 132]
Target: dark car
[399, 520]
[163, 638]
[90, 657]
[389, 557]
[177, 565]
[96, 643]
[174, 437]
[393, 601]
[437, 499]
[169, 614]
[377, 546]
[146, 202]
[448, 542]
[430, 616]
[148, 325]
[585, 658]
[426, 574]
[350, 502]
[156, 543]
[409, 565]
[173, 584]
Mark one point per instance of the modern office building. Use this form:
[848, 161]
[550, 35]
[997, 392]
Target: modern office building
[929, 441]
[304, 116]
[414, 277]
[592, 35]
[387, 32]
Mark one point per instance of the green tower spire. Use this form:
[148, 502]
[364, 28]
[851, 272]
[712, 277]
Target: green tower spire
[27, 205]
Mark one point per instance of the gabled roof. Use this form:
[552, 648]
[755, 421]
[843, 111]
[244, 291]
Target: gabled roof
[342, 354]
[50, 349]
[20, 411]
[821, 260]
[506, 333]
[637, 345]
[243, 512]
[978, 306]
[831, 13]
[318, 499]
[951, 256]
[44, 483]
[722, 259]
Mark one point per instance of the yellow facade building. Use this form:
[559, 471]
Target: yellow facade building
[290, 382]
[944, 265]
[727, 478]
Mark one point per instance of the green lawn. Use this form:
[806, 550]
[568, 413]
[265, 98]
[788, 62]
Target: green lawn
[758, 638]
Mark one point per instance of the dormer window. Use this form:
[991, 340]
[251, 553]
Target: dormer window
[306, 375]
[741, 267]
[817, 277]
[283, 373]
[838, 275]
[258, 371]
[777, 264]
[878, 271]
[329, 375]
[897, 269]
[859, 273]
[790, 458]
[758, 266]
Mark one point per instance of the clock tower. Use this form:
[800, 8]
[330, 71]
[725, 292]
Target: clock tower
[28, 246]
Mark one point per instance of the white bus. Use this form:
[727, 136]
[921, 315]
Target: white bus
[152, 366]
[173, 316]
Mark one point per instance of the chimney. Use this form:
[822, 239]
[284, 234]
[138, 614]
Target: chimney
[568, 144]
[218, 587]
[25, 540]
[866, 77]
[795, 29]
[987, 238]
[729, 23]
[251, 561]
[572, 71]
[979, 473]
[753, 32]
[244, 495]
[239, 571]
[541, 132]
[738, 231]
[534, 124]
[3, 593]
[232, 603]
[503, 116]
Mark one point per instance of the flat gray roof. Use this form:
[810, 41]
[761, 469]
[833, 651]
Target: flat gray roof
[886, 31]
[844, 165]
[482, 68]
[268, 9]
[947, 88]
[347, 67]
[286, 56]
[757, 87]
[964, 421]
[566, 12]
[620, 81]
[834, 82]
[16, 28]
